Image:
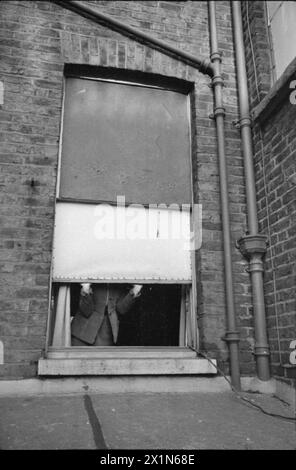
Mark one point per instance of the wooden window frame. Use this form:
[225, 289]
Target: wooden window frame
[132, 352]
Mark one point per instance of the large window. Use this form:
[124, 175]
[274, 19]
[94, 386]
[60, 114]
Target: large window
[122, 266]
[281, 22]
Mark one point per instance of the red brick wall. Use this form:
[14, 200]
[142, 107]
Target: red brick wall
[275, 157]
[37, 39]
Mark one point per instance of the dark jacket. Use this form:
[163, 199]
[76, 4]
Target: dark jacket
[89, 318]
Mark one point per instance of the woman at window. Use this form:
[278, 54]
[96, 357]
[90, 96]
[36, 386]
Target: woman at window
[96, 322]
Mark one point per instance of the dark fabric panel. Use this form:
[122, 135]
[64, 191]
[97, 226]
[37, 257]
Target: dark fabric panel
[155, 318]
[125, 140]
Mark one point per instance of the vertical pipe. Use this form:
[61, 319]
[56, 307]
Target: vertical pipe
[245, 122]
[217, 82]
[261, 346]
[254, 253]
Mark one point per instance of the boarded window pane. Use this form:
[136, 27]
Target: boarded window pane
[125, 140]
[109, 243]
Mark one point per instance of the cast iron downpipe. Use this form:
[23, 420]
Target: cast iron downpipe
[203, 65]
[231, 336]
[253, 245]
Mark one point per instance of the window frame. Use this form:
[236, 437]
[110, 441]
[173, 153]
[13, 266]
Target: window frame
[276, 74]
[138, 79]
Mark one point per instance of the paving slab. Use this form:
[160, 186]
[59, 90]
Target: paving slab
[36, 423]
[145, 421]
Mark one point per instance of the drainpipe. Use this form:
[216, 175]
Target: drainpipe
[232, 335]
[87, 11]
[253, 245]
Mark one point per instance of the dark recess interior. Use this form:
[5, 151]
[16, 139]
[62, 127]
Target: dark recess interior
[154, 319]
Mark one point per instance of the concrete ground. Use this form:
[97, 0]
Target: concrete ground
[145, 421]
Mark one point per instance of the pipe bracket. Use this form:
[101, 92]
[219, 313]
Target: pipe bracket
[231, 337]
[219, 111]
[261, 350]
[236, 123]
[245, 121]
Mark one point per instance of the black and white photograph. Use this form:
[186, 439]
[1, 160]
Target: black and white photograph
[147, 230]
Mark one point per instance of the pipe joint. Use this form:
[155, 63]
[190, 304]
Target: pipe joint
[256, 265]
[216, 56]
[245, 122]
[231, 337]
[207, 67]
[219, 111]
[261, 350]
[217, 80]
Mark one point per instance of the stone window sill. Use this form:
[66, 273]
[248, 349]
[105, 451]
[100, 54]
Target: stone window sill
[124, 361]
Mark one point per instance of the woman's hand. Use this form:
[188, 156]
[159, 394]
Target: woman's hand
[86, 288]
[136, 290]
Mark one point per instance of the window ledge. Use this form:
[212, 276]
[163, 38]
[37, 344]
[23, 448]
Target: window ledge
[120, 352]
[116, 367]
[275, 97]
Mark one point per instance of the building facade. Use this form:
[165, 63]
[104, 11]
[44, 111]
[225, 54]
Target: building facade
[43, 45]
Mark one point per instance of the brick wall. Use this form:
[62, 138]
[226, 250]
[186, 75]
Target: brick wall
[255, 24]
[275, 157]
[37, 39]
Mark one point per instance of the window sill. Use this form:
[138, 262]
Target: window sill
[276, 96]
[120, 352]
[124, 361]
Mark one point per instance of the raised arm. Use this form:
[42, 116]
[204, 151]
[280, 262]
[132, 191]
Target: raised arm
[86, 301]
[125, 303]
